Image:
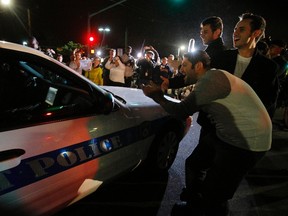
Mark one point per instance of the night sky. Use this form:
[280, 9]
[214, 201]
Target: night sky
[164, 24]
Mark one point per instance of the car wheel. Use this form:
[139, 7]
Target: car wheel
[163, 150]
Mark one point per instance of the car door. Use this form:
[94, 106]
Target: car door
[56, 145]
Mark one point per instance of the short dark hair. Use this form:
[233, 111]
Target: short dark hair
[257, 23]
[214, 22]
[198, 56]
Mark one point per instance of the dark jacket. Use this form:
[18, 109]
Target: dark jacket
[145, 70]
[261, 75]
[157, 72]
[215, 47]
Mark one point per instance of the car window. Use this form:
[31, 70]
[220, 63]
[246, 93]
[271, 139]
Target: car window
[34, 90]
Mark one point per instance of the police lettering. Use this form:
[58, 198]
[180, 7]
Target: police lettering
[34, 169]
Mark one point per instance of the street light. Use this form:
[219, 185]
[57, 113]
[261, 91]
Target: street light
[179, 50]
[104, 30]
[7, 3]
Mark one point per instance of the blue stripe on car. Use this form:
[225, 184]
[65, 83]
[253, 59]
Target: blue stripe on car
[36, 168]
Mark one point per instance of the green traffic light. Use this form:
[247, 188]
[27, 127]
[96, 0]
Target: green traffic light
[177, 1]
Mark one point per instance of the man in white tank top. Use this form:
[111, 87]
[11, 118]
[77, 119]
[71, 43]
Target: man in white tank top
[242, 135]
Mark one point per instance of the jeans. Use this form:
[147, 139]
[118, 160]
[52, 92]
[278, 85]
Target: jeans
[215, 169]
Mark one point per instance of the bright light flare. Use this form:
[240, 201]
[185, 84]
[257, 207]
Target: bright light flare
[6, 2]
[104, 29]
[99, 53]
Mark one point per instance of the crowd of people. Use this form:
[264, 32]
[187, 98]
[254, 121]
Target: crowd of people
[234, 136]
[127, 71]
[117, 70]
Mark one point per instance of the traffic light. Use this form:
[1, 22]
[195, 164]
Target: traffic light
[176, 2]
[91, 39]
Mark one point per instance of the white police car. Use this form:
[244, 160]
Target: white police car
[62, 136]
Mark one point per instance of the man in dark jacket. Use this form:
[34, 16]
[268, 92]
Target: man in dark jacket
[211, 35]
[211, 30]
[247, 63]
[145, 69]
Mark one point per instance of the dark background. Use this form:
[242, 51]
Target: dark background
[164, 24]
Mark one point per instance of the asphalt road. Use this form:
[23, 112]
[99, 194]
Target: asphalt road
[138, 193]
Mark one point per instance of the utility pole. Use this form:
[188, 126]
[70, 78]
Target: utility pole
[98, 12]
[94, 14]
[29, 22]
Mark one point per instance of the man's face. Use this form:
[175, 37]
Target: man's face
[60, 58]
[188, 71]
[206, 34]
[170, 58]
[112, 53]
[129, 50]
[35, 43]
[164, 61]
[242, 35]
[78, 55]
[148, 56]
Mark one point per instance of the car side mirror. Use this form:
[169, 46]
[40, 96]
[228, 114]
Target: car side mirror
[106, 103]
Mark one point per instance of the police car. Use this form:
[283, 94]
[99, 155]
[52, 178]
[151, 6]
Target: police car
[62, 136]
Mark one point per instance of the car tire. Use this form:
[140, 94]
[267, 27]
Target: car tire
[163, 150]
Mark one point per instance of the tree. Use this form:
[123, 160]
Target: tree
[68, 49]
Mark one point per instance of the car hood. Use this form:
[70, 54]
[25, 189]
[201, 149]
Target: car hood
[133, 95]
[136, 102]
[130, 95]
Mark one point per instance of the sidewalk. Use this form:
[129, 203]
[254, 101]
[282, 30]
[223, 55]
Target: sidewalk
[264, 191]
